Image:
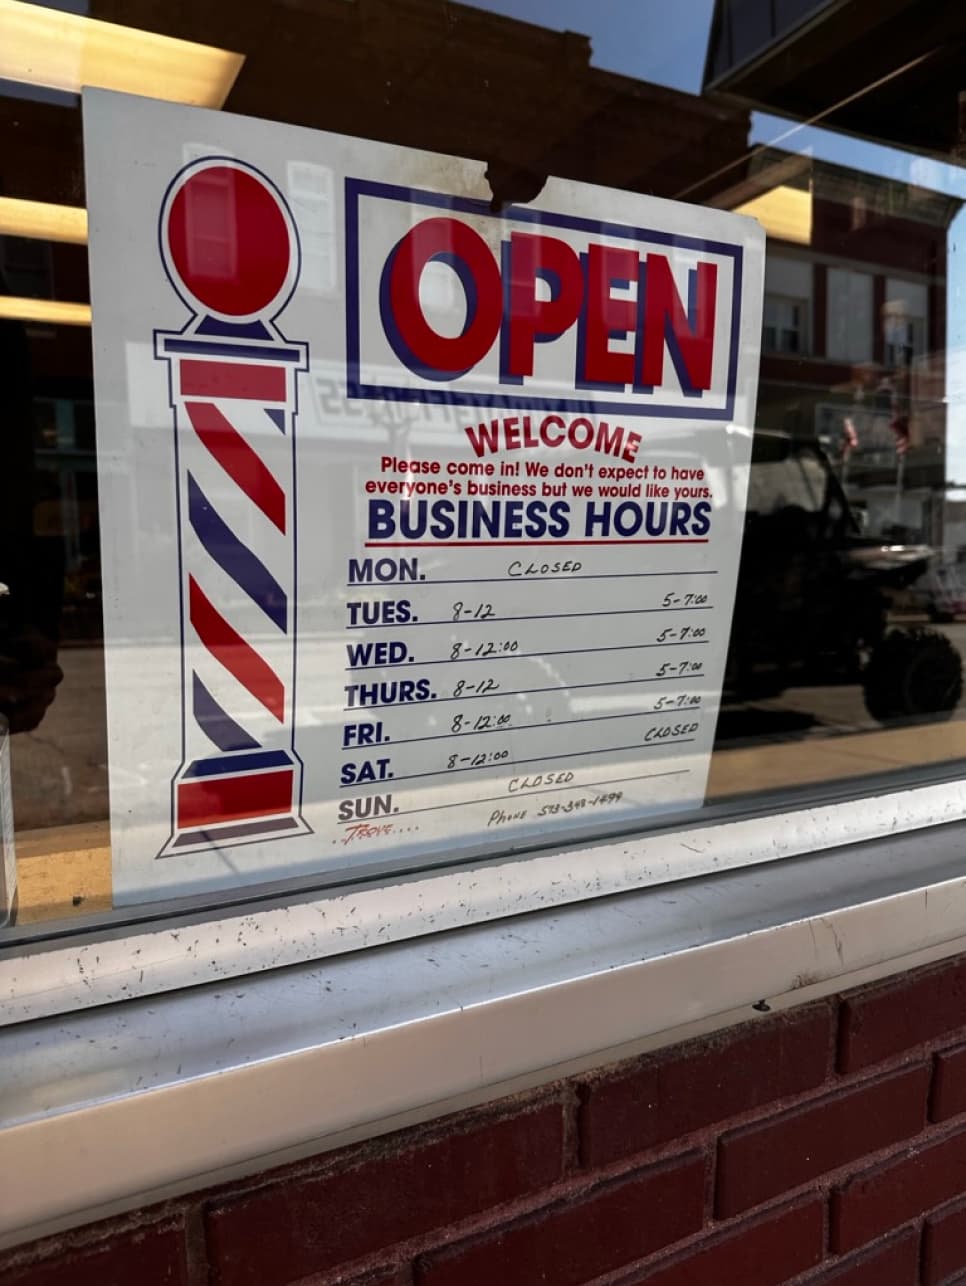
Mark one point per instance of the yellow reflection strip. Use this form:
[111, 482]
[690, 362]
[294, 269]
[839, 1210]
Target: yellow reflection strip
[40, 219]
[784, 212]
[40, 46]
[14, 308]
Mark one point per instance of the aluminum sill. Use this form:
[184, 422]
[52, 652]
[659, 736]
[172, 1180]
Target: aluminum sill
[147, 1098]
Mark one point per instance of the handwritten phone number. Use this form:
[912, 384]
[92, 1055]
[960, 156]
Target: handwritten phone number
[575, 805]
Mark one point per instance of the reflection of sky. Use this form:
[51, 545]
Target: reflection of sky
[666, 44]
[634, 37]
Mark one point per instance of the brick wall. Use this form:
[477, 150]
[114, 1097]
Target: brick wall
[823, 1146]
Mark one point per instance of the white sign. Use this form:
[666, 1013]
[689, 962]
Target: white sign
[420, 522]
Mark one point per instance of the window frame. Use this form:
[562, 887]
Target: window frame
[230, 1080]
[71, 969]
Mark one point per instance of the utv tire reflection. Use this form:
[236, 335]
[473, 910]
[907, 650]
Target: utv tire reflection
[913, 672]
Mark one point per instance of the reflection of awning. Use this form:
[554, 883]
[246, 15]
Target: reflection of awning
[891, 70]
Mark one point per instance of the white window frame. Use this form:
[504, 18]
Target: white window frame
[72, 969]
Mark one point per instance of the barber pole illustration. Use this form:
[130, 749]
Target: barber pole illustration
[231, 251]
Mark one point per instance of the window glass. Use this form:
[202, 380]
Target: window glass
[850, 324]
[785, 324]
[788, 307]
[905, 321]
[843, 647]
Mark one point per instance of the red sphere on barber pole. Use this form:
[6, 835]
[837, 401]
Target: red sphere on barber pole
[229, 242]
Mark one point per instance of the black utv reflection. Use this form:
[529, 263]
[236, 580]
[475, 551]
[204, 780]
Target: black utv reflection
[814, 595]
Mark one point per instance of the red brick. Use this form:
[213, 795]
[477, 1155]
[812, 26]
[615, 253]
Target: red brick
[152, 1256]
[572, 1242]
[305, 1225]
[765, 1253]
[762, 1161]
[949, 1084]
[944, 1247]
[387, 1277]
[671, 1094]
[896, 1263]
[881, 1021]
[891, 1194]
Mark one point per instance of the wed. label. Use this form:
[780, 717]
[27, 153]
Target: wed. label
[420, 522]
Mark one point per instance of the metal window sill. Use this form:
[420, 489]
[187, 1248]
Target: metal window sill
[232, 1077]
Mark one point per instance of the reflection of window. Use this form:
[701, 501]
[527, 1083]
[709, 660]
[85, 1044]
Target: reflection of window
[905, 337]
[26, 267]
[904, 328]
[849, 315]
[209, 209]
[785, 328]
[439, 290]
[798, 480]
[788, 305]
[310, 192]
[201, 151]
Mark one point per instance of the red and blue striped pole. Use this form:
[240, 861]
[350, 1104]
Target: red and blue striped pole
[230, 249]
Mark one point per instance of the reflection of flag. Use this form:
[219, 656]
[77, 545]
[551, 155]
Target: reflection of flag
[899, 421]
[850, 439]
[899, 424]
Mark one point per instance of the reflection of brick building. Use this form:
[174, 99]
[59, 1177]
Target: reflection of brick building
[891, 71]
[853, 344]
[528, 102]
[446, 78]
